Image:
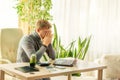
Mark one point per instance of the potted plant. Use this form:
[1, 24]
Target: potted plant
[29, 11]
[71, 50]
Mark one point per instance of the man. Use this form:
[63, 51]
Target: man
[37, 43]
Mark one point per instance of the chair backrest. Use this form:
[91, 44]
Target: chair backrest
[112, 61]
[10, 38]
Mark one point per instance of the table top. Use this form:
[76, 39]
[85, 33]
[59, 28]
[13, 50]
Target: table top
[82, 66]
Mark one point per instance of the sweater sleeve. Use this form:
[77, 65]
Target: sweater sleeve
[28, 46]
[50, 51]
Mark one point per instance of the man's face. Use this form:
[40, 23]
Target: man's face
[42, 31]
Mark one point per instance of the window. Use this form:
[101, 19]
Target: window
[8, 15]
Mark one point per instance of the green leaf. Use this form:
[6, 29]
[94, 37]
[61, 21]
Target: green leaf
[32, 10]
[75, 52]
[84, 42]
[86, 48]
[70, 53]
[76, 74]
[79, 45]
[70, 46]
[80, 55]
[45, 57]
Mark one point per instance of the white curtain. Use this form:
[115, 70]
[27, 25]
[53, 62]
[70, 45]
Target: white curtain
[8, 14]
[99, 18]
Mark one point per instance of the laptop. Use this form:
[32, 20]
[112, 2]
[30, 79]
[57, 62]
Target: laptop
[66, 61]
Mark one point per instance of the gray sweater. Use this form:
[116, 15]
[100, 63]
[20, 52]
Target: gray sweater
[32, 44]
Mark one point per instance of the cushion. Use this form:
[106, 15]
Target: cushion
[112, 61]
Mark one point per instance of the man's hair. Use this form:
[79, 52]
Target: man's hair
[43, 23]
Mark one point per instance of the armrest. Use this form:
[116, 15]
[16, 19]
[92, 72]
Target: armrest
[5, 60]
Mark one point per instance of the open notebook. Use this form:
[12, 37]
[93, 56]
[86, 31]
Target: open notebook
[26, 69]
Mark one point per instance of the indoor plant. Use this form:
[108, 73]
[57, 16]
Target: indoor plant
[74, 49]
[31, 10]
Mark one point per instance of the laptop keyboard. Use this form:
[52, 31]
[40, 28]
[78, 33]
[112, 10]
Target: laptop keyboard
[63, 62]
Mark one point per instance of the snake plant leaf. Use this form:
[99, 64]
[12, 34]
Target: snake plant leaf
[84, 42]
[59, 42]
[62, 51]
[70, 46]
[55, 40]
[70, 50]
[70, 53]
[79, 55]
[79, 45]
[45, 57]
[55, 32]
[75, 53]
[86, 48]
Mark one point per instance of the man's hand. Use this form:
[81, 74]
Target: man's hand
[48, 38]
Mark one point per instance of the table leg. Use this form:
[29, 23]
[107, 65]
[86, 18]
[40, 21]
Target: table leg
[69, 76]
[1, 75]
[100, 72]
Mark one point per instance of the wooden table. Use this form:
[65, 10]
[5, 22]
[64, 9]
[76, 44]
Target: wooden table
[82, 66]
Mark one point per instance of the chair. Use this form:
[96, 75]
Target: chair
[112, 61]
[9, 39]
